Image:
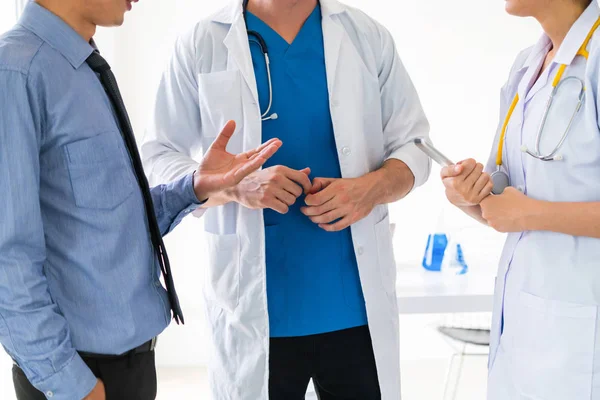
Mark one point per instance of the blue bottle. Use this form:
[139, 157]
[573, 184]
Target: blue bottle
[454, 260]
[434, 252]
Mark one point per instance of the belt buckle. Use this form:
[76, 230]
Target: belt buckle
[153, 343]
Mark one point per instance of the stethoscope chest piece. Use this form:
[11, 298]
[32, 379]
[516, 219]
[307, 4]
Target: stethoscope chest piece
[500, 180]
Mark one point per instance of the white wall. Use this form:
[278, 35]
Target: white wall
[458, 54]
[7, 15]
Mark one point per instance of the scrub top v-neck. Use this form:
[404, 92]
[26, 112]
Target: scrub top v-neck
[313, 285]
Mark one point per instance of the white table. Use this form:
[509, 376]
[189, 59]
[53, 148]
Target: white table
[423, 292]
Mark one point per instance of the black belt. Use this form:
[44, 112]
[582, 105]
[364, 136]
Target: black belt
[145, 348]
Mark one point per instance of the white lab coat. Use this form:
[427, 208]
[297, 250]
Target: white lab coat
[548, 284]
[375, 112]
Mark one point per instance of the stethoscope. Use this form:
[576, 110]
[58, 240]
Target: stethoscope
[500, 178]
[258, 39]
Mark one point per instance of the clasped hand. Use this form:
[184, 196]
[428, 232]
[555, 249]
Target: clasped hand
[467, 186]
[332, 204]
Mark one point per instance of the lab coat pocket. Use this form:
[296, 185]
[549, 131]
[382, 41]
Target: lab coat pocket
[385, 251]
[554, 345]
[99, 172]
[220, 99]
[223, 273]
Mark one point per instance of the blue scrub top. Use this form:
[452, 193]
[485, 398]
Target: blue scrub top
[312, 275]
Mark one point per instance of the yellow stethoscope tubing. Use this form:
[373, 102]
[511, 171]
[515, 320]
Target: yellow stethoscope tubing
[559, 74]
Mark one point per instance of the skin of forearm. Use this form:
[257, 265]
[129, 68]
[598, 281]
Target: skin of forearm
[474, 212]
[392, 182]
[219, 199]
[575, 219]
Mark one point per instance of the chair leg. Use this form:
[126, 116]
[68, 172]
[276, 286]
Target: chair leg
[449, 376]
[451, 385]
[459, 372]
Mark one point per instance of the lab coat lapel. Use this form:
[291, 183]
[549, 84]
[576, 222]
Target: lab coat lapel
[236, 42]
[333, 33]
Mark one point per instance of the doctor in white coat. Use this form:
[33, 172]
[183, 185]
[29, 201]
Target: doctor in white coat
[545, 340]
[374, 112]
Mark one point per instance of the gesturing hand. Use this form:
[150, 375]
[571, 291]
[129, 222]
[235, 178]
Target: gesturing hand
[335, 204]
[220, 170]
[466, 183]
[276, 188]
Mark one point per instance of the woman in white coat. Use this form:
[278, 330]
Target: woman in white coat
[340, 99]
[545, 341]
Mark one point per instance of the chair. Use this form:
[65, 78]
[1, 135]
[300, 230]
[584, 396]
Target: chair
[461, 339]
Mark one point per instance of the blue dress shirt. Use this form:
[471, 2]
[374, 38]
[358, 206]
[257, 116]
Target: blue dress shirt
[313, 285]
[77, 268]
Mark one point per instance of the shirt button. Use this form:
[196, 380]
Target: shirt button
[49, 394]
[346, 151]
[360, 251]
[157, 283]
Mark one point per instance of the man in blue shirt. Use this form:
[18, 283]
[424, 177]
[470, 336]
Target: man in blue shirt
[81, 301]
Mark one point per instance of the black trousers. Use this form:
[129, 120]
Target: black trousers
[125, 378]
[341, 364]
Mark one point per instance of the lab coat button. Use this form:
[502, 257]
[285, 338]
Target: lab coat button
[360, 251]
[346, 151]
[520, 188]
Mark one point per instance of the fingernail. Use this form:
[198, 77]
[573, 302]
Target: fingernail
[457, 168]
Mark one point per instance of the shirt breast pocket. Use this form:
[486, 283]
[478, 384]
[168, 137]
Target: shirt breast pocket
[99, 171]
[220, 99]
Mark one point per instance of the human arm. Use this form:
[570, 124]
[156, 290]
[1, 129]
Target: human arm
[32, 328]
[275, 188]
[403, 120]
[175, 129]
[218, 171]
[335, 204]
[513, 211]
[466, 186]
[404, 166]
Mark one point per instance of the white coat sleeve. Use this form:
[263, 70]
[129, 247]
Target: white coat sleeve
[402, 114]
[174, 131]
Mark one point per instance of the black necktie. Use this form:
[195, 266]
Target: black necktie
[99, 65]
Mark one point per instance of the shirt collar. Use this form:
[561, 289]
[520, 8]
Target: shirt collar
[54, 31]
[542, 47]
[577, 34]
